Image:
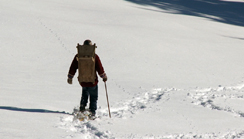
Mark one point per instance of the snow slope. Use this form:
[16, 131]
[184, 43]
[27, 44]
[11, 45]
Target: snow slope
[171, 74]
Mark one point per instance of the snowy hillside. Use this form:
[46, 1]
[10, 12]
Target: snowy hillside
[175, 68]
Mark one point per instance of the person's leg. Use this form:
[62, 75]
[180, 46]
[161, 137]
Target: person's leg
[93, 99]
[84, 98]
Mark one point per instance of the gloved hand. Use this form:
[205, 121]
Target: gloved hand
[105, 78]
[69, 80]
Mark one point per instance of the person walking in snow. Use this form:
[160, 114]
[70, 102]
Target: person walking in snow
[89, 89]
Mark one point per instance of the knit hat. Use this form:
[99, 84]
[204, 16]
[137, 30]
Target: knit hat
[87, 42]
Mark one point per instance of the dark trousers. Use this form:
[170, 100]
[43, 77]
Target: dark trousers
[91, 92]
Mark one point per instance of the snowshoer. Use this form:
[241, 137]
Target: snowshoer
[89, 89]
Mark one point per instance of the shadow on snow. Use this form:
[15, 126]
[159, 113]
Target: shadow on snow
[217, 10]
[31, 110]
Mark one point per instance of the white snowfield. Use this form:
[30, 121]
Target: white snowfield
[175, 68]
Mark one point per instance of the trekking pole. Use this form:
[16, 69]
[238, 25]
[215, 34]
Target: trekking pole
[107, 99]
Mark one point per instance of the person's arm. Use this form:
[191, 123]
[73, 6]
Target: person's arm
[100, 69]
[72, 69]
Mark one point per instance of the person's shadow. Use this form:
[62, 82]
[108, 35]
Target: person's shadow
[217, 10]
[31, 110]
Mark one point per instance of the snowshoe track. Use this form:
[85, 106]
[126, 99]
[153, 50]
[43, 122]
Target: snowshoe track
[82, 129]
[211, 98]
[138, 102]
[220, 98]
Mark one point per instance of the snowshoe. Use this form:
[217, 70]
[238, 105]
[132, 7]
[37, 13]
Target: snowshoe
[92, 116]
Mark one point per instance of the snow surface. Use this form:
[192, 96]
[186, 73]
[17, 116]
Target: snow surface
[175, 69]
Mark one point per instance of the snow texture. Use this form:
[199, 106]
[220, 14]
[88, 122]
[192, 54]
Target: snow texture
[175, 68]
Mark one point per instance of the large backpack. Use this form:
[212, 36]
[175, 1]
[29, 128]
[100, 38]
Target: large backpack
[86, 63]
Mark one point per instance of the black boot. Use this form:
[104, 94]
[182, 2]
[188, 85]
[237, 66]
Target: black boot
[92, 116]
[82, 108]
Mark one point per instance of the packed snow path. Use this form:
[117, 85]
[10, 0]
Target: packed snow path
[184, 105]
